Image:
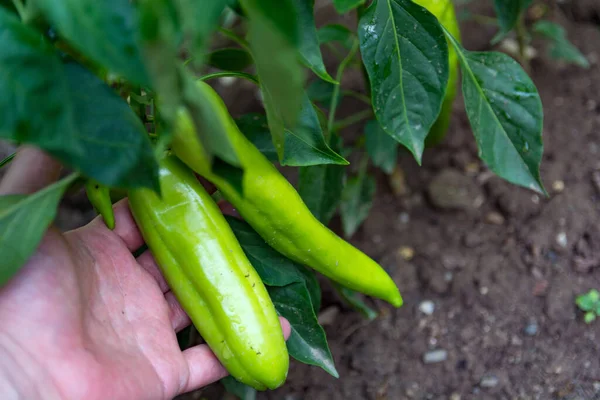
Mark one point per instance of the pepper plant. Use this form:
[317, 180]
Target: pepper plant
[101, 86]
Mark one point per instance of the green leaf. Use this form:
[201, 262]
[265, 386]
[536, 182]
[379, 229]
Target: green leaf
[199, 19]
[254, 126]
[508, 13]
[560, 47]
[335, 33]
[343, 6]
[381, 147]
[23, 223]
[505, 111]
[310, 52]
[242, 391]
[35, 105]
[305, 144]
[357, 199]
[230, 59]
[406, 57]
[320, 92]
[105, 31]
[589, 317]
[295, 293]
[355, 299]
[588, 301]
[273, 35]
[117, 150]
[320, 187]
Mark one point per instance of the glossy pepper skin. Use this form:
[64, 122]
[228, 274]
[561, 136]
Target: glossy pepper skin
[444, 12]
[99, 196]
[211, 277]
[274, 209]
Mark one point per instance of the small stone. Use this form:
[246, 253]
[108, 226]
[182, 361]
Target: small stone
[484, 290]
[435, 356]
[558, 186]
[494, 218]
[427, 307]
[452, 190]
[516, 341]
[397, 182]
[535, 199]
[406, 252]
[561, 240]
[540, 287]
[531, 329]
[472, 168]
[404, 218]
[596, 386]
[489, 381]
[328, 315]
[455, 396]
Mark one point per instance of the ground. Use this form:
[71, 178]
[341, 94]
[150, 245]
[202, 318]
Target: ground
[501, 267]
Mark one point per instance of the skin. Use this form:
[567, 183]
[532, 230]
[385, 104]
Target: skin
[85, 319]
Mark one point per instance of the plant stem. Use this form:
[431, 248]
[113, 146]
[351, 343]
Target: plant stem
[336, 89]
[236, 38]
[359, 96]
[521, 32]
[8, 159]
[352, 119]
[21, 9]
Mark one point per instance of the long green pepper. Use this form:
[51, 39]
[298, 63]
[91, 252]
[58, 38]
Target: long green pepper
[211, 276]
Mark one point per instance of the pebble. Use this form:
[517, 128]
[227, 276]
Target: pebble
[435, 356]
[455, 396]
[489, 381]
[452, 190]
[558, 186]
[406, 252]
[531, 329]
[404, 218]
[561, 240]
[427, 307]
[596, 386]
[494, 218]
[328, 315]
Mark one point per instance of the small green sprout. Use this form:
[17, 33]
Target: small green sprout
[590, 304]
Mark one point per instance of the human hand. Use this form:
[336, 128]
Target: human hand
[85, 319]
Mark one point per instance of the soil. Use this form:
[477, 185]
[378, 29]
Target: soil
[502, 265]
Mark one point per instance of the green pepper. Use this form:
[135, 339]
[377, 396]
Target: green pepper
[271, 205]
[444, 12]
[211, 276]
[99, 196]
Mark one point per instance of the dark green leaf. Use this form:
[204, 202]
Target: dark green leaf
[273, 39]
[320, 92]
[242, 391]
[309, 44]
[230, 59]
[305, 144]
[23, 222]
[335, 33]
[255, 128]
[505, 111]
[357, 199]
[35, 104]
[320, 187]
[356, 300]
[105, 31]
[199, 19]
[406, 57]
[381, 147]
[117, 150]
[560, 48]
[508, 13]
[307, 343]
[294, 291]
[343, 6]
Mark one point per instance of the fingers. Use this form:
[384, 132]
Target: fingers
[146, 260]
[179, 318]
[125, 227]
[30, 171]
[204, 368]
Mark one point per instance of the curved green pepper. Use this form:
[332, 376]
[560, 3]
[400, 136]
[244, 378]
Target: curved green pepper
[99, 196]
[274, 209]
[444, 12]
[211, 277]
